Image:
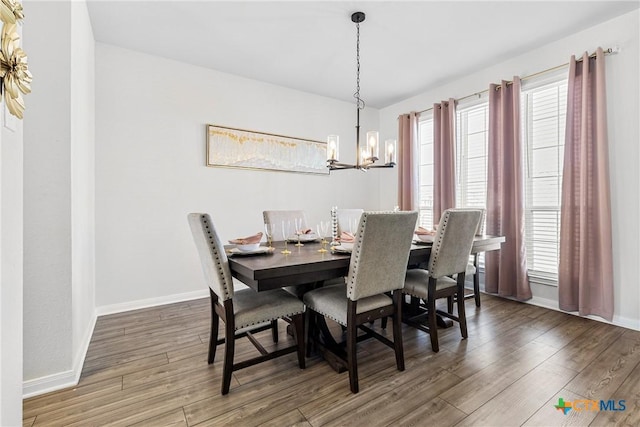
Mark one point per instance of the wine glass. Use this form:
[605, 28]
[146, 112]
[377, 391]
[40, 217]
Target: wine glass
[353, 225]
[298, 224]
[323, 228]
[286, 231]
[269, 230]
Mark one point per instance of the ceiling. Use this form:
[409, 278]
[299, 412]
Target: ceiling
[310, 45]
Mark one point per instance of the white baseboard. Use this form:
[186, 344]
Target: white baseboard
[49, 383]
[150, 302]
[63, 379]
[551, 304]
[624, 322]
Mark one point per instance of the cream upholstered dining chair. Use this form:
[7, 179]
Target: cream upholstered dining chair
[449, 258]
[343, 219]
[378, 265]
[277, 217]
[245, 311]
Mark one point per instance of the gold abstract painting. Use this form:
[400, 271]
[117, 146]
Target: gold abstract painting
[239, 148]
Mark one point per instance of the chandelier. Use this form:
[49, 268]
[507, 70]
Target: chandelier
[368, 155]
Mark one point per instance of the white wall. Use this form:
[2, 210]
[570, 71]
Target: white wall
[47, 192]
[59, 280]
[151, 115]
[11, 282]
[82, 111]
[622, 71]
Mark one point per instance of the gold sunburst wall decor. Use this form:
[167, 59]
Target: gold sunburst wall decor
[11, 11]
[14, 70]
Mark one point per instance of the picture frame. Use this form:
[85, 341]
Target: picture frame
[246, 149]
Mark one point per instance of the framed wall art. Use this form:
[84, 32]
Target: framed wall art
[246, 149]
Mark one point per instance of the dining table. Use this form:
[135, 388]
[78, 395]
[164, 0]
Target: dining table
[306, 266]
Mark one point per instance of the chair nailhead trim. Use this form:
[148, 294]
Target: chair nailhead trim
[268, 320]
[438, 244]
[328, 315]
[357, 246]
[216, 254]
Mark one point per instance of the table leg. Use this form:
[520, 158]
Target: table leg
[413, 309]
[326, 345]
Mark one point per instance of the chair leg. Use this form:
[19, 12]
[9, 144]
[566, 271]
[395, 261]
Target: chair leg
[397, 330]
[462, 317]
[450, 304]
[352, 332]
[414, 305]
[274, 330]
[298, 322]
[433, 325]
[383, 323]
[213, 336]
[229, 350]
[476, 288]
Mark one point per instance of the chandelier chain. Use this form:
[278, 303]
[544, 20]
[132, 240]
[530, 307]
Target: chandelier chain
[359, 101]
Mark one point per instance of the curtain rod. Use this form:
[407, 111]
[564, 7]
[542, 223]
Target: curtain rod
[608, 51]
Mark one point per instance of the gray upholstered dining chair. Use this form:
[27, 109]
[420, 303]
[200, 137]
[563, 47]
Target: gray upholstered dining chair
[449, 258]
[245, 311]
[378, 265]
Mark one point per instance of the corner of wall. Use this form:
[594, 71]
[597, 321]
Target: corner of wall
[61, 380]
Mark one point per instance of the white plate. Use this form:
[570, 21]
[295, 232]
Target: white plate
[422, 242]
[346, 245]
[304, 238]
[260, 250]
[426, 238]
[249, 247]
[341, 249]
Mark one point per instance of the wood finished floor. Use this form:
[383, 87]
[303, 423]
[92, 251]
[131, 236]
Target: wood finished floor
[148, 368]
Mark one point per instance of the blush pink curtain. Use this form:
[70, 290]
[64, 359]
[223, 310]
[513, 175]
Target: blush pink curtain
[585, 282]
[444, 158]
[408, 154]
[506, 269]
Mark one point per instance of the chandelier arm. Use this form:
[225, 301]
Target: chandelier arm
[386, 165]
[338, 166]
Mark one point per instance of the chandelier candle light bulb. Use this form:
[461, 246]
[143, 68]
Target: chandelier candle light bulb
[333, 145]
[390, 149]
[372, 144]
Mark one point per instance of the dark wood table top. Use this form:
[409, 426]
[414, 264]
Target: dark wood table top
[306, 265]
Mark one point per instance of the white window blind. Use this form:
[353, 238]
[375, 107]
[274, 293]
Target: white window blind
[472, 131]
[471, 157]
[425, 131]
[543, 128]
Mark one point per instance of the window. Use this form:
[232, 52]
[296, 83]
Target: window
[425, 132]
[471, 159]
[544, 109]
[472, 136]
[472, 132]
